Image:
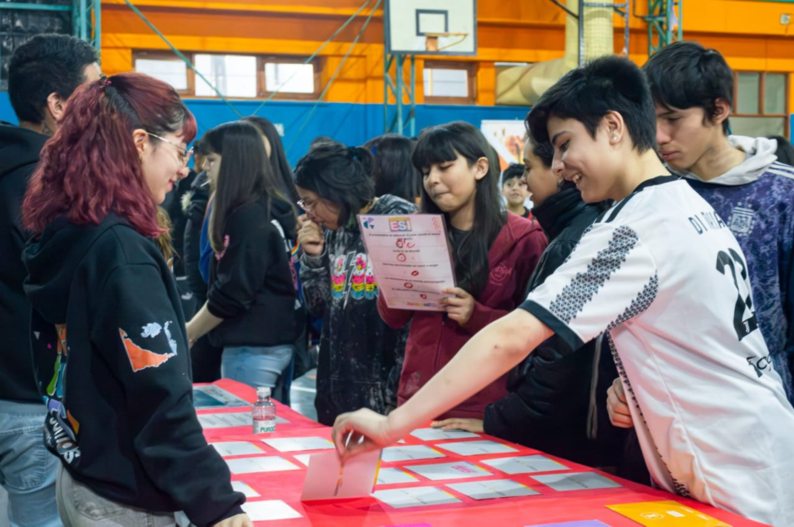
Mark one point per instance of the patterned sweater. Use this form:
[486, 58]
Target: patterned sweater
[360, 356]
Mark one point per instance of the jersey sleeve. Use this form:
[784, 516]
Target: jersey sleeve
[609, 278]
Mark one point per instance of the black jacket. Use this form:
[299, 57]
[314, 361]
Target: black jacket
[191, 246]
[120, 415]
[19, 154]
[251, 284]
[549, 397]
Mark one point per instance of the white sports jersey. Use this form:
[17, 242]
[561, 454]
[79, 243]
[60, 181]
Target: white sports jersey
[664, 276]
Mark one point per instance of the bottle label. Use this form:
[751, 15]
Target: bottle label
[262, 426]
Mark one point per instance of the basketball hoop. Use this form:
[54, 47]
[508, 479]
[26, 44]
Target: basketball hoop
[433, 42]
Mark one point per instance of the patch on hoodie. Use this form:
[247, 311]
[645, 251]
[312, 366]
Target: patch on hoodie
[141, 358]
[741, 221]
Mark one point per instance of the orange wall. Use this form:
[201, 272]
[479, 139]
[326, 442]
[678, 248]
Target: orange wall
[747, 32]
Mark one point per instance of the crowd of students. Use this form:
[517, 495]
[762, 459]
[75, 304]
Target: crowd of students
[645, 301]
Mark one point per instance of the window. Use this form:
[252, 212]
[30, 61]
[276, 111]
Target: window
[233, 75]
[290, 78]
[760, 104]
[168, 68]
[449, 82]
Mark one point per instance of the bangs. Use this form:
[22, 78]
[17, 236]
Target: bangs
[434, 146]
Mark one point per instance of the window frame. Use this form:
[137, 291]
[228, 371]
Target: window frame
[471, 69]
[168, 56]
[786, 115]
[261, 60]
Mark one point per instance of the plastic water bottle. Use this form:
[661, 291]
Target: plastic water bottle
[264, 412]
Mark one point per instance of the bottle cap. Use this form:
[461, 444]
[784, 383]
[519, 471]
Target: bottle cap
[263, 392]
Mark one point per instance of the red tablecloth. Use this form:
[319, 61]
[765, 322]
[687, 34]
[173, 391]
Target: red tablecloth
[546, 507]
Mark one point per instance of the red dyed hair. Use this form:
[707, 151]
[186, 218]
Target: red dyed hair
[90, 167]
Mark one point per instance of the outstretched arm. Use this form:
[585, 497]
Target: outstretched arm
[485, 357]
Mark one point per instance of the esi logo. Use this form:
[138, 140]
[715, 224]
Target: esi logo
[368, 222]
[400, 224]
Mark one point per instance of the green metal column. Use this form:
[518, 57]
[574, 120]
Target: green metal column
[87, 21]
[665, 23]
[396, 86]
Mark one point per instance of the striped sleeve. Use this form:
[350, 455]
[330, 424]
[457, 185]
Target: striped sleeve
[609, 279]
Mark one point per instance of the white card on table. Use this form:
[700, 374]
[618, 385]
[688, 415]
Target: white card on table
[389, 476]
[473, 448]
[492, 489]
[576, 481]
[433, 434]
[296, 444]
[250, 465]
[236, 448]
[408, 259]
[327, 478]
[303, 458]
[414, 497]
[225, 420]
[403, 453]
[245, 488]
[442, 471]
[524, 464]
[214, 396]
[269, 510]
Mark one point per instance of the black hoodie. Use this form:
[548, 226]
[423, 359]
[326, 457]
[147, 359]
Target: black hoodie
[120, 415]
[251, 284]
[19, 154]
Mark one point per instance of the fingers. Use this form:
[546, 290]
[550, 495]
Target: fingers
[617, 408]
[459, 423]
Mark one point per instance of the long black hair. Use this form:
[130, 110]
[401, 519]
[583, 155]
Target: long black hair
[244, 174]
[441, 144]
[278, 158]
[392, 170]
[339, 174]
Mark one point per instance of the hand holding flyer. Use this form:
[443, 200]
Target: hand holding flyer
[410, 258]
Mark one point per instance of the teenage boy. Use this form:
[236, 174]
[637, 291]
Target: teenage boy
[515, 191]
[42, 74]
[660, 273]
[692, 88]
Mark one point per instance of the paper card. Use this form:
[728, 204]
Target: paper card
[250, 465]
[576, 481]
[473, 448]
[266, 510]
[389, 476]
[236, 448]
[524, 464]
[403, 453]
[303, 458]
[666, 513]
[442, 471]
[434, 434]
[582, 523]
[328, 479]
[296, 444]
[245, 488]
[414, 497]
[408, 259]
[225, 420]
[213, 396]
[492, 489]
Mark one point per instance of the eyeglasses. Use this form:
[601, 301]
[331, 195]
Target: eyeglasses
[308, 205]
[184, 153]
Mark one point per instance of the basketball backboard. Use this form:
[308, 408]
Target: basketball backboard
[431, 27]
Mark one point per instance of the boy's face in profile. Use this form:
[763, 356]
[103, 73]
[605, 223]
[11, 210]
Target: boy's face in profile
[685, 136]
[592, 164]
[515, 191]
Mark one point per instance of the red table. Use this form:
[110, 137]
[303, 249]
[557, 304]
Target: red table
[549, 506]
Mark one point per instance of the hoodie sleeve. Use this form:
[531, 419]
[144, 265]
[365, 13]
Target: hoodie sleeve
[247, 255]
[144, 342]
[316, 281]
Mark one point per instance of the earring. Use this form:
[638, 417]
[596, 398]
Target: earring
[614, 137]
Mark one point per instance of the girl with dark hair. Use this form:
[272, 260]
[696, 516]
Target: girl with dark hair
[393, 171]
[251, 295]
[360, 356]
[494, 255]
[120, 416]
[276, 156]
